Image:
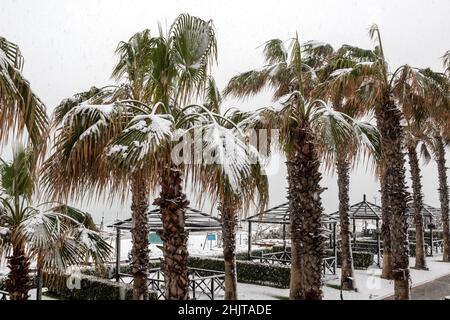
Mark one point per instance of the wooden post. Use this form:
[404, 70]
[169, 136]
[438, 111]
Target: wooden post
[249, 239]
[378, 244]
[334, 248]
[39, 283]
[117, 254]
[354, 232]
[284, 237]
[431, 240]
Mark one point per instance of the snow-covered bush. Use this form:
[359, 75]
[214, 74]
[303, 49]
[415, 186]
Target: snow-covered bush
[248, 271]
[84, 287]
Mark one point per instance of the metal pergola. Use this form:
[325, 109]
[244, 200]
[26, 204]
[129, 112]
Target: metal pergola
[365, 210]
[429, 213]
[280, 215]
[195, 221]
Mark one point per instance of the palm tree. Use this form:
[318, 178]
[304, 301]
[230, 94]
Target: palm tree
[174, 70]
[367, 141]
[440, 143]
[88, 121]
[232, 196]
[434, 109]
[376, 88]
[442, 140]
[308, 129]
[413, 140]
[55, 238]
[20, 108]
[178, 70]
[421, 95]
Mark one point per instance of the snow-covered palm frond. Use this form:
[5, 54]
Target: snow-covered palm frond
[193, 47]
[316, 53]
[38, 229]
[133, 58]
[92, 244]
[275, 52]
[67, 104]
[224, 147]
[213, 97]
[331, 129]
[446, 62]
[20, 108]
[16, 176]
[140, 139]
[247, 84]
[357, 54]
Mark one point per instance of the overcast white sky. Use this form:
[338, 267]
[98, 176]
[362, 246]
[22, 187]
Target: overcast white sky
[68, 47]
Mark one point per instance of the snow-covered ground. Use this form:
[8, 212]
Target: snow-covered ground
[370, 285]
[198, 245]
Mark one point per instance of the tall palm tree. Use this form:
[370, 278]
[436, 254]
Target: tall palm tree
[221, 153]
[233, 197]
[366, 144]
[421, 95]
[308, 129]
[376, 90]
[413, 141]
[20, 108]
[56, 237]
[175, 68]
[178, 70]
[435, 105]
[440, 143]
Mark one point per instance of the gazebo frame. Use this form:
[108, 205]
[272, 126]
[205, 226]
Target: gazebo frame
[207, 281]
[365, 210]
[280, 215]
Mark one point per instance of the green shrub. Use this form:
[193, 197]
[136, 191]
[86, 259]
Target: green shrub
[248, 271]
[437, 234]
[361, 260]
[257, 252]
[85, 287]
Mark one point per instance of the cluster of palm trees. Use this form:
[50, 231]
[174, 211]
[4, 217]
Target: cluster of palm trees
[48, 236]
[126, 138]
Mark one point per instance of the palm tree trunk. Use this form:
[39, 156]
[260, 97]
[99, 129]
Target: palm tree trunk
[386, 272]
[173, 204]
[418, 204]
[388, 119]
[228, 210]
[139, 251]
[18, 282]
[343, 168]
[305, 208]
[443, 195]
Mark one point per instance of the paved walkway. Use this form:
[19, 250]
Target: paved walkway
[433, 290]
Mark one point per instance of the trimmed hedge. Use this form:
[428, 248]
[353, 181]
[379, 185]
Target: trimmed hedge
[257, 252]
[85, 287]
[248, 271]
[437, 234]
[361, 260]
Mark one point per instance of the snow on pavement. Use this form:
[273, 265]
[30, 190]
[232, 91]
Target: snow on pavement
[370, 285]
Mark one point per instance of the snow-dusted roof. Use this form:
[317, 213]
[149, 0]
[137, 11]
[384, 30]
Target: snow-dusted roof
[364, 210]
[427, 211]
[280, 215]
[195, 221]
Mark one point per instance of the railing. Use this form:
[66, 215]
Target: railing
[284, 258]
[438, 246]
[202, 282]
[329, 264]
[4, 295]
[281, 257]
